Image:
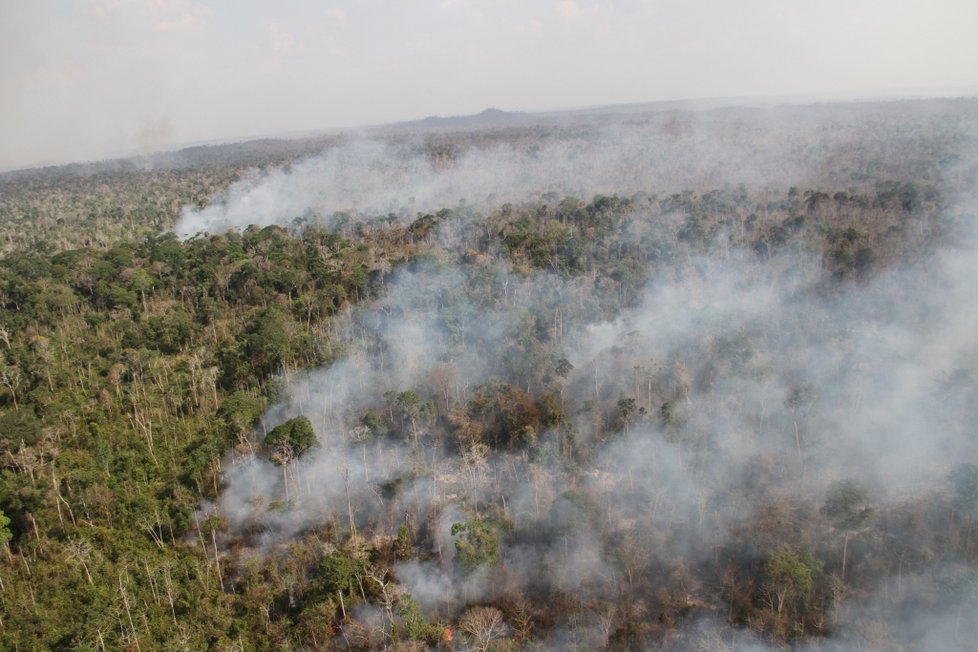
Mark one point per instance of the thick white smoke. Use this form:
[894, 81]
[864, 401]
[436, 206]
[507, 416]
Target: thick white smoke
[663, 152]
[753, 379]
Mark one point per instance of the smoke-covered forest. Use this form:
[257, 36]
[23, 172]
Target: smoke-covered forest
[661, 379]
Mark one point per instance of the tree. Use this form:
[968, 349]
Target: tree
[482, 625]
[374, 423]
[287, 442]
[964, 591]
[210, 526]
[267, 345]
[846, 503]
[476, 545]
[402, 543]
[409, 408]
[814, 199]
[297, 433]
[965, 479]
[790, 579]
[5, 534]
[572, 512]
[11, 378]
[19, 428]
[337, 572]
[412, 624]
[626, 408]
[240, 411]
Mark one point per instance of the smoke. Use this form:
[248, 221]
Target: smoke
[372, 178]
[734, 384]
[663, 152]
[424, 337]
[876, 354]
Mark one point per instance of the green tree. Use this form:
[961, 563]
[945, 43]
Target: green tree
[408, 408]
[476, 545]
[572, 512]
[790, 579]
[241, 410]
[337, 573]
[5, 534]
[402, 543]
[626, 409]
[267, 345]
[296, 433]
[847, 504]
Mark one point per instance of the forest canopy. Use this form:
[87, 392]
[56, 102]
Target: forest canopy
[687, 381]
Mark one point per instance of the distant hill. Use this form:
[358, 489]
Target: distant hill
[278, 150]
[489, 118]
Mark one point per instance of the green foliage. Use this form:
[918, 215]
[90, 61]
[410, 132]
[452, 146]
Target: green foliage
[375, 423]
[5, 534]
[338, 572]
[266, 342]
[297, 434]
[402, 543]
[476, 545]
[846, 503]
[19, 428]
[563, 368]
[123, 360]
[626, 409]
[572, 512]
[735, 349]
[137, 362]
[410, 413]
[509, 416]
[412, 624]
[791, 581]
[793, 572]
[171, 331]
[241, 410]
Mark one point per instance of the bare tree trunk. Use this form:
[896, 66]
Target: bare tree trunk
[349, 507]
[125, 603]
[801, 460]
[845, 551]
[217, 560]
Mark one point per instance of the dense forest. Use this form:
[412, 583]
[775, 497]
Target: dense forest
[677, 380]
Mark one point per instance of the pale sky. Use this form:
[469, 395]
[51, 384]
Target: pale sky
[87, 79]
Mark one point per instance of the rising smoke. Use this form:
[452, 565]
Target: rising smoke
[753, 382]
[666, 152]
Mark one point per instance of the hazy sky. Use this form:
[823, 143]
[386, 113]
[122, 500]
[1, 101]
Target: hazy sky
[85, 79]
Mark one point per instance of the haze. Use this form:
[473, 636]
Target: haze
[93, 79]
